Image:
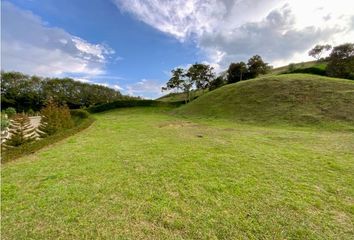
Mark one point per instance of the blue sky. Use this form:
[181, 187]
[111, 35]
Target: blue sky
[131, 45]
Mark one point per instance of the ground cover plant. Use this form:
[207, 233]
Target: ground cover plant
[142, 173]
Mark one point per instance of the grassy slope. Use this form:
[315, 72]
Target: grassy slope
[177, 97]
[142, 174]
[303, 65]
[291, 98]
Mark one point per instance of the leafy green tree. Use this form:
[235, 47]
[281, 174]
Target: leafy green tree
[201, 75]
[187, 87]
[257, 66]
[318, 50]
[216, 83]
[25, 92]
[176, 81]
[341, 61]
[236, 72]
[21, 131]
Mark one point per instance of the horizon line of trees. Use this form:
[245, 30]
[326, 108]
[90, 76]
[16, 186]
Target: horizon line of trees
[340, 60]
[30, 93]
[202, 76]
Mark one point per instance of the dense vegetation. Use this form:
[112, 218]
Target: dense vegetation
[284, 99]
[27, 93]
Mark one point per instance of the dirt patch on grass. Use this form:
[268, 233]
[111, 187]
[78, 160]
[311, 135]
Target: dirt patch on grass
[177, 124]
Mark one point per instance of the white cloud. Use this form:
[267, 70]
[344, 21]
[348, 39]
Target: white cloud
[31, 46]
[117, 87]
[234, 30]
[147, 88]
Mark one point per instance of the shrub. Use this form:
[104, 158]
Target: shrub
[54, 119]
[79, 113]
[4, 121]
[21, 131]
[310, 70]
[291, 67]
[10, 112]
[30, 112]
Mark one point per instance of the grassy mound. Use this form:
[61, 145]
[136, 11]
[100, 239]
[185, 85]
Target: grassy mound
[291, 98]
[179, 97]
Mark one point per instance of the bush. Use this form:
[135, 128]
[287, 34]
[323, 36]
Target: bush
[30, 112]
[79, 113]
[10, 112]
[310, 70]
[54, 119]
[291, 67]
[4, 121]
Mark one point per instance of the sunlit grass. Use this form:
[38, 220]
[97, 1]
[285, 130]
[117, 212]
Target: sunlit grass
[141, 173]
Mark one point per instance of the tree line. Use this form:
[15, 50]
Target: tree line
[202, 76]
[30, 93]
[340, 63]
[340, 60]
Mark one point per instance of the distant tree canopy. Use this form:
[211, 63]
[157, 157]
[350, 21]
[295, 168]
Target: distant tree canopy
[197, 76]
[318, 50]
[237, 72]
[25, 92]
[341, 61]
[201, 76]
[242, 71]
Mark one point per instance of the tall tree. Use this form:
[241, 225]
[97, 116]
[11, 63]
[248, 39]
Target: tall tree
[175, 81]
[257, 66]
[236, 72]
[318, 50]
[341, 61]
[216, 83]
[201, 75]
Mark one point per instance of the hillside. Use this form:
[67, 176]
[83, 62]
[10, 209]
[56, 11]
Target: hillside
[290, 98]
[311, 67]
[179, 97]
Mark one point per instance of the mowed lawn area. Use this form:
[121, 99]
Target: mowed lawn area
[142, 173]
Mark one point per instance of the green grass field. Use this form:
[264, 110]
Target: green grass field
[142, 173]
[290, 99]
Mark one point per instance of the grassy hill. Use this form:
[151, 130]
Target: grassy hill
[304, 66]
[312, 67]
[291, 98]
[179, 97]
